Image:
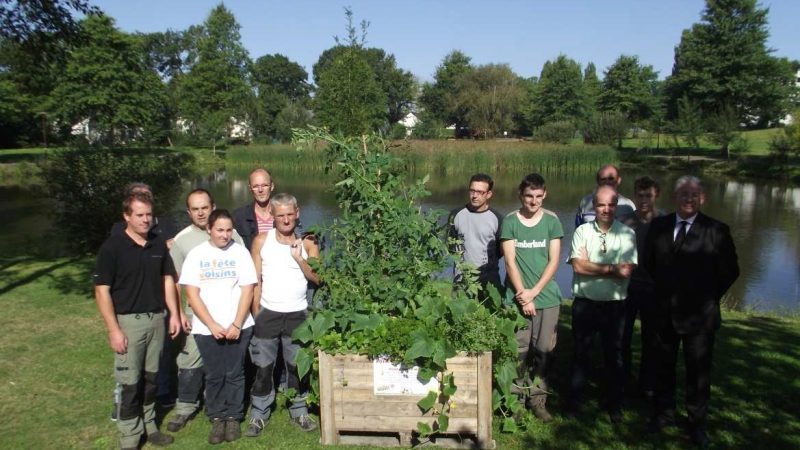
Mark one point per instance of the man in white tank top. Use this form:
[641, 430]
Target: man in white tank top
[283, 272]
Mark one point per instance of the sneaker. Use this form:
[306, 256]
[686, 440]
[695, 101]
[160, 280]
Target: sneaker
[177, 423]
[254, 428]
[232, 430]
[217, 434]
[114, 413]
[304, 422]
[160, 439]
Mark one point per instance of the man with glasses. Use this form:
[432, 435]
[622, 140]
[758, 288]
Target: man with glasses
[255, 218]
[692, 259]
[476, 227]
[603, 256]
[608, 175]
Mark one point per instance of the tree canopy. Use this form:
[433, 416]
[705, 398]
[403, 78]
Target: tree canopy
[724, 59]
[630, 88]
[559, 94]
[107, 83]
[216, 88]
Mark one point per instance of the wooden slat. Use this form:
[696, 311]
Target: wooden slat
[397, 409]
[402, 424]
[354, 394]
[329, 434]
[484, 410]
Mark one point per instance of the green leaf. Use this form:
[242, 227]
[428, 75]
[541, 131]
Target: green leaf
[304, 358]
[504, 376]
[509, 426]
[428, 401]
[424, 429]
[448, 385]
[303, 333]
[443, 421]
[425, 374]
[320, 323]
[496, 398]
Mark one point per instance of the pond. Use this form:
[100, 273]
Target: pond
[763, 218]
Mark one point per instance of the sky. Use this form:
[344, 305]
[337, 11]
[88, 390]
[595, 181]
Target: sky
[523, 34]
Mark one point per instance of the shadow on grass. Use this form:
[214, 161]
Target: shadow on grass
[67, 275]
[755, 393]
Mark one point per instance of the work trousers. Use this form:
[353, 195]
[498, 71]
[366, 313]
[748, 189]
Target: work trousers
[606, 318]
[190, 374]
[535, 344]
[224, 370]
[640, 302]
[272, 333]
[136, 415]
[697, 352]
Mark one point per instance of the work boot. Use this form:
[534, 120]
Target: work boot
[217, 434]
[160, 439]
[254, 428]
[177, 423]
[304, 422]
[536, 403]
[232, 430]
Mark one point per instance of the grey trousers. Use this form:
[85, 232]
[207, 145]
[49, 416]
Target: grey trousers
[535, 343]
[136, 415]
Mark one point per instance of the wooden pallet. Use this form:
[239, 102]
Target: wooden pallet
[351, 413]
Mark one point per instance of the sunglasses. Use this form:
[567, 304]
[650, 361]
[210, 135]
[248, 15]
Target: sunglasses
[603, 247]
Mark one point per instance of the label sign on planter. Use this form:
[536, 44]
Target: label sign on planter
[397, 379]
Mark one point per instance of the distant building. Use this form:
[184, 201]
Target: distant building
[409, 121]
[236, 130]
[788, 120]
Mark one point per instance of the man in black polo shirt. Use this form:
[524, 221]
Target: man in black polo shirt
[133, 283]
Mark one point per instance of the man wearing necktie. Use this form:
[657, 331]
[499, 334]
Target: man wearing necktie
[693, 262]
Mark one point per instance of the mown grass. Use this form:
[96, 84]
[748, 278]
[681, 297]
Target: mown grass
[56, 379]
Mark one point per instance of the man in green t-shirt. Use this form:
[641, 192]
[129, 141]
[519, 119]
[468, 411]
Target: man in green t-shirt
[531, 242]
[603, 256]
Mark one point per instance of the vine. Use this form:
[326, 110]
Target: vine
[382, 293]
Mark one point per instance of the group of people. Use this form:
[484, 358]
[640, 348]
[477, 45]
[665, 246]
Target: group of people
[245, 278]
[628, 259]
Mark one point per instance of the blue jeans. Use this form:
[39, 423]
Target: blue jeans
[224, 368]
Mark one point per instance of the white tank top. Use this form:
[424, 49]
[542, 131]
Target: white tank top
[283, 285]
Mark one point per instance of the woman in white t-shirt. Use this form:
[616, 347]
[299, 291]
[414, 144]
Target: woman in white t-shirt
[219, 276]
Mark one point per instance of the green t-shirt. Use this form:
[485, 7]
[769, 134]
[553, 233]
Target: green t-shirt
[620, 247]
[532, 248]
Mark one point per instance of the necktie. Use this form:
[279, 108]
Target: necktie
[681, 233]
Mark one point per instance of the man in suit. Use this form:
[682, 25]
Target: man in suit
[692, 260]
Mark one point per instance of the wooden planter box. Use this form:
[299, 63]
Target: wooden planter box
[351, 412]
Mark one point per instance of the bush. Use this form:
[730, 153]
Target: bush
[560, 132]
[88, 186]
[605, 128]
[397, 132]
[427, 128]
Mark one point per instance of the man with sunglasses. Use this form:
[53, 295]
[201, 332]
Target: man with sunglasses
[603, 256]
[608, 175]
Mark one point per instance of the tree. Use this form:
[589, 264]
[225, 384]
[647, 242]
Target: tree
[724, 60]
[349, 99]
[491, 96]
[438, 98]
[629, 87]
[22, 20]
[216, 88]
[107, 83]
[279, 82]
[591, 88]
[559, 93]
[396, 84]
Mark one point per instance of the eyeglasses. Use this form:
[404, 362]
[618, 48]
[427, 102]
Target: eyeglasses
[258, 187]
[477, 192]
[603, 247]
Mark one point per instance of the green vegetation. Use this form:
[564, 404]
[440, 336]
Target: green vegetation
[55, 363]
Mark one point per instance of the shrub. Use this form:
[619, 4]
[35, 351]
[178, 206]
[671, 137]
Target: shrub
[560, 132]
[88, 186]
[605, 128]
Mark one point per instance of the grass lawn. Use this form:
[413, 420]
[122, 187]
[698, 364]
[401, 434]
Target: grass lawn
[56, 379]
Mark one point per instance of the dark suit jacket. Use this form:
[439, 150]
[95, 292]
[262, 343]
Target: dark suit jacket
[690, 280]
[244, 221]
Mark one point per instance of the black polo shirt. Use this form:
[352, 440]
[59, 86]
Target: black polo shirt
[134, 273]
